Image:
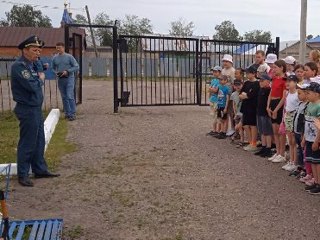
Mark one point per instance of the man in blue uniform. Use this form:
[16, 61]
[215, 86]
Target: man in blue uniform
[26, 85]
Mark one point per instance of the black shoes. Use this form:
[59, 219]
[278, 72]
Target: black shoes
[262, 151]
[46, 175]
[25, 181]
[212, 133]
[221, 135]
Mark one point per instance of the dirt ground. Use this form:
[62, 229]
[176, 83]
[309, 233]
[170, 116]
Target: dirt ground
[151, 173]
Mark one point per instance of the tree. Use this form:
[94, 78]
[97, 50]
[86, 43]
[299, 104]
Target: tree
[104, 35]
[227, 31]
[80, 19]
[133, 25]
[258, 36]
[181, 28]
[25, 16]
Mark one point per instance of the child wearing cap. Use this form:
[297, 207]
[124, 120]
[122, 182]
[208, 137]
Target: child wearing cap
[223, 101]
[275, 108]
[291, 106]
[291, 62]
[213, 99]
[264, 123]
[228, 69]
[270, 60]
[249, 94]
[312, 136]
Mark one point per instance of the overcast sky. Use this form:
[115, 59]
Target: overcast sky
[281, 17]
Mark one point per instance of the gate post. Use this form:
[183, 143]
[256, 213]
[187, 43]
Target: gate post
[277, 46]
[115, 69]
[198, 78]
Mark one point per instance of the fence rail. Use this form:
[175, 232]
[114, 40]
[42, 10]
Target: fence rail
[50, 90]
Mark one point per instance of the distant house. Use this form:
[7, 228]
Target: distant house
[314, 42]
[11, 37]
[292, 49]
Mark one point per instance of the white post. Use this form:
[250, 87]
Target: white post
[303, 31]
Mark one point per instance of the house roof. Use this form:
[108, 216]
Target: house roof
[314, 40]
[286, 44]
[13, 36]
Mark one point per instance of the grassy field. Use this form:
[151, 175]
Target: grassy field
[9, 137]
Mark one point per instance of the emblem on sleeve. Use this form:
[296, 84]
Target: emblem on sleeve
[26, 74]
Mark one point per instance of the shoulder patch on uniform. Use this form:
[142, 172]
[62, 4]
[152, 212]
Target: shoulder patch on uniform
[26, 74]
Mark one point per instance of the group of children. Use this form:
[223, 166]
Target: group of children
[271, 108]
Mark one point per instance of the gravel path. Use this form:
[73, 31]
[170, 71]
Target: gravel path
[151, 173]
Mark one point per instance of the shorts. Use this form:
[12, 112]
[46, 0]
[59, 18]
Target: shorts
[221, 114]
[249, 117]
[312, 156]
[288, 121]
[264, 125]
[273, 104]
[213, 111]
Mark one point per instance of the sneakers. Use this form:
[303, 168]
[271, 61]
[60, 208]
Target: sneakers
[291, 167]
[273, 157]
[279, 159]
[212, 133]
[230, 133]
[250, 148]
[262, 151]
[284, 167]
[315, 190]
[305, 178]
[310, 182]
[267, 153]
[221, 136]
[309, 188]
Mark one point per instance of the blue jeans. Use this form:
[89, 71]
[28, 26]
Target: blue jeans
[31, 144]
[66, 87]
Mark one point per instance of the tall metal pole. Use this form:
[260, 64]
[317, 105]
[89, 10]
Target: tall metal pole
[303, 31]
[91, 31]
[115, 69]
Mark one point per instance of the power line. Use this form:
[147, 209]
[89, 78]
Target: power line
[42, 6]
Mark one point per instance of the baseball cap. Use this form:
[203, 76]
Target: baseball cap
[290, 60]
[314, 87]
[292, 78]
[237, 82]
[227, 58]
[271, 58]
[216, 68]
[252, 69]
[264, 76]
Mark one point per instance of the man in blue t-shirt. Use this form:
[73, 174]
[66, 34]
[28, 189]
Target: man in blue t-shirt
[222, 103]
[213, 98]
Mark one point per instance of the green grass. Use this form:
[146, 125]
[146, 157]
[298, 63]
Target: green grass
[9, 137]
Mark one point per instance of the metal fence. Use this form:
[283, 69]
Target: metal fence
[51, 93]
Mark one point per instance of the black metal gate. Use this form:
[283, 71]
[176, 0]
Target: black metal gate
[157, 71]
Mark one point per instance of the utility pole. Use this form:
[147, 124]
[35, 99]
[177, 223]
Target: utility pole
[91, 30]
[303, 31]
